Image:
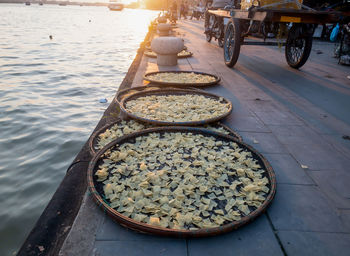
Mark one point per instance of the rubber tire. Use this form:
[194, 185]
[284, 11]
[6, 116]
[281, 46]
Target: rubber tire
[307, 50]
[221, 38]
[221, 42]
[208, 35]
[232, 26]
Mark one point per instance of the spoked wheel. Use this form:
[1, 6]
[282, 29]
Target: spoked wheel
[221, 42]
[232, 42]
[208, 37]
[209, 25]
[221, 33]
[298, 45]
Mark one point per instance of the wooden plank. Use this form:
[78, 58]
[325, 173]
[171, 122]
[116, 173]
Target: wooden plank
[313, 18]
[290, 19]
[222, 13]
[281, 15]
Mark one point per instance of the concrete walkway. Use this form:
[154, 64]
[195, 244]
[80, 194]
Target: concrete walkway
[296, 119]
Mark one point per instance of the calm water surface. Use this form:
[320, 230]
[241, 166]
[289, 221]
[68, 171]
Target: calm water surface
[49, 97]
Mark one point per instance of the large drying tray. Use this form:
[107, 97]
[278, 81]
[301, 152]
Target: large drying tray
[178, 84]
[171, 91]
[96, 188]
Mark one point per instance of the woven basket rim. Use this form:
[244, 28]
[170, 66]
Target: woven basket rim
[146, 228]
[217, 79]
[121, 93]
[94, 136]
[168, 91]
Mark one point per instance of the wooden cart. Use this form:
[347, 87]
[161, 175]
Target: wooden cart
[301, 23]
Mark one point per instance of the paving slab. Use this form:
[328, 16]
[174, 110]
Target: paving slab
[315, 243]
[112, 231]
[260, 105]
[264, 142]
[278, 118]
[339, 143]
[269, 85]
[247, 92]
[286, 95]
[335, 185]
[288, 170]
[297, 134]
[84, 229]
[224, 91]
[138, 79]
[345, 217]
[319, 118]
[240, 86]
[139, 248]
[303, 208]
[233, 122]
[245, 123]
[256, 238]
[268, 109]
[198, 64]
[319, 157]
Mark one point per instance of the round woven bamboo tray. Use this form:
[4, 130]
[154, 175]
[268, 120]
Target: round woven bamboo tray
[96, 188]
[93, 141]
[154, 55]
[129, 91]
[217, 79]
[166, 91]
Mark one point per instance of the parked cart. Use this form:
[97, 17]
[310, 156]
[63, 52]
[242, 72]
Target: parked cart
[301, 22]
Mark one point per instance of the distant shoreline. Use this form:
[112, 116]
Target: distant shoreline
[131, 5]
[52, 2]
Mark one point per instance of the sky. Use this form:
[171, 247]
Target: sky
[99, 1]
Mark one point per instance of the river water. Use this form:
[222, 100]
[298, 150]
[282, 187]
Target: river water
[49, 97]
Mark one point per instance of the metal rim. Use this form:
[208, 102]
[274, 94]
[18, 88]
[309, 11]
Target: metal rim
[229, 42]
[143, 227]
[217, 79]
[296, 49]
[178, 92]
[94, 136]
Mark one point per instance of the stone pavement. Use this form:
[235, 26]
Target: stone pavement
[296, 119]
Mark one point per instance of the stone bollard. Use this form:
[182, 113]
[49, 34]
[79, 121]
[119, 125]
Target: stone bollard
[163, 29]
[167, 49]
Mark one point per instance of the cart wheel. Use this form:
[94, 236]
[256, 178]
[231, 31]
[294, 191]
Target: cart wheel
[298, 45]
[222, 34]
[221, 42]
[208, 37]
[232, 42]
[208, 26]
